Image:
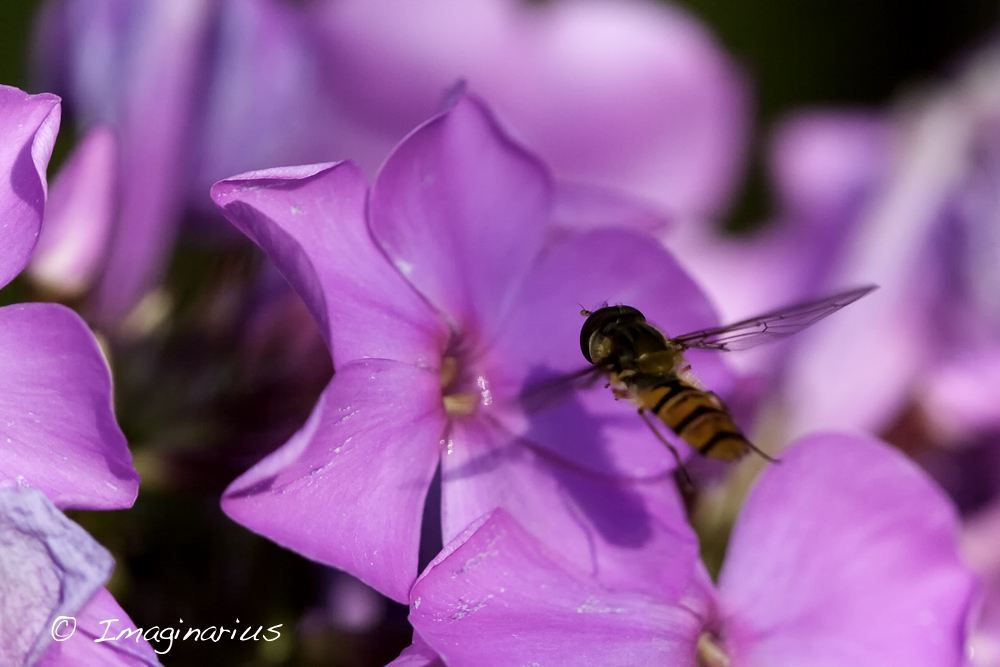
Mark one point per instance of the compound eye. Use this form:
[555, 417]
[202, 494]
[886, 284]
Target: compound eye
[602, 320]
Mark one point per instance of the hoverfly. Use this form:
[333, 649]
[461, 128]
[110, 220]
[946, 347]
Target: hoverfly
[648, 368]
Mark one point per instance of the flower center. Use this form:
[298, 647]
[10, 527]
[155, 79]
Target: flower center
[462, 392]
[711, 652]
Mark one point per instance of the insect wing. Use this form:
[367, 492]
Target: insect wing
[771, 326]
[550, 391]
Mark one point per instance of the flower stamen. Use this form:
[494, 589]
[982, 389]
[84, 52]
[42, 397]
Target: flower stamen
[459, 393]
[710, 652]
[460, 405]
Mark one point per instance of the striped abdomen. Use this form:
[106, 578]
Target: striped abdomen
[698, 417]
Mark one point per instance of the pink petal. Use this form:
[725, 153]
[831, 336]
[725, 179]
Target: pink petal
[348, 489]
[57, 429]
[28, 127]
[462, 211]
[417, 654]
[79, 217]
[498, 597]
[266, 102]
[845, 554]
[582, 207]
[826, 163]
[632, 95]
[152, 78]
[541, 339]
[94, 643]
[311, 223]
[627, 536]
[962, 396]
[49, 567]
[865, 382]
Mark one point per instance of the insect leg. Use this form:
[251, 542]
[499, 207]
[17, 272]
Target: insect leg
[686, 480]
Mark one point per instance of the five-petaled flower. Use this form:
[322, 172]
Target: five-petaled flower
[445, 291]
[845, 554]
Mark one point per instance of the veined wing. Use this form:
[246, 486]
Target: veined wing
[771, 326]
[550, 391]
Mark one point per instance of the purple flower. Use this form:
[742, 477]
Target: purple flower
[57, 430]
[442, 293]
[53, 573]
[193, 91]
[921, 359]
[845, 554]
[28, 128]
[635, 96]
[905, 198]
[51, 568]
[825, 168]
[59, 443]
[79, 217]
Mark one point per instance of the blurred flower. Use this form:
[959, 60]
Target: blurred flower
[78, 217]
[443, 293]
[905, 199]
[57, 430]
[58, 435]
[194, 90]
[844, 554]
[632, 95]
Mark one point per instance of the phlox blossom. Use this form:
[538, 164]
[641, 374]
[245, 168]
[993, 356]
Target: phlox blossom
[60, 446]
[635, 95]
[444, 292]
[844, 554]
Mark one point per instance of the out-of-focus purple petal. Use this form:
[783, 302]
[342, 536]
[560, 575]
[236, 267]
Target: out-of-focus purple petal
[588, 270]
[826, 166]
[150, 54]
[311, 223]
[417, 654]
[390, 65]
[845, 553]
[81, 650]
[348, 489]
[265, 100]
[867, 357]
[826, 163]
[627, 536]
[28, 127]
[462, 212]
[633, 95]
[980, 536]
[57, 429]
[583, 207]
[962, 397]
[79, 218]
[745, 277]
[49, 567]
[630, 95]
[498, 597]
